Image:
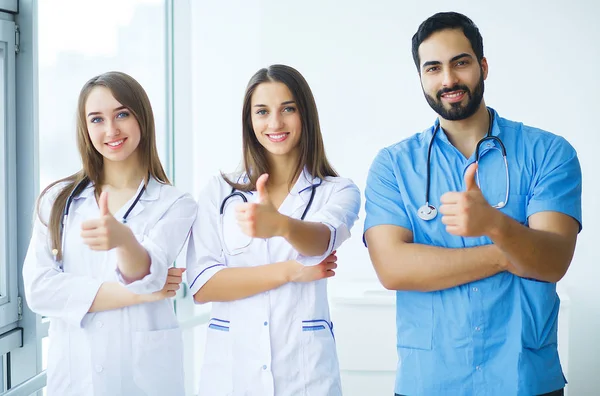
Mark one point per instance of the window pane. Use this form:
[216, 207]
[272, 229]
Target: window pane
[80, 39]
[4, 259]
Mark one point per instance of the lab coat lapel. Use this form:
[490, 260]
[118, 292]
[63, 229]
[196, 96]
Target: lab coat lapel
[84, 205]
[151, 193]
[296, 201]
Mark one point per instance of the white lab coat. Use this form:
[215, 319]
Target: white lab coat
[279, 342]
[131, 351]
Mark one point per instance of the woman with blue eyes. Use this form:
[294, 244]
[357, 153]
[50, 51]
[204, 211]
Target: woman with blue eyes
[101, 247]
[263, 245]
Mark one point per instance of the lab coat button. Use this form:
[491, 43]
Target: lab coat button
[475, 289]
[99, 368]
[265, 367]
[266, 323]
[99, 324]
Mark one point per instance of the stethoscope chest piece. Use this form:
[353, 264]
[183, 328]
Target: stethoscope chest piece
[427, 212]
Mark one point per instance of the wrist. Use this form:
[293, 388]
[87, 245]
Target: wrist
[496, 225]
[142, 298]
[289, 270]
[128, 240]
[501, 262]
[284, 228]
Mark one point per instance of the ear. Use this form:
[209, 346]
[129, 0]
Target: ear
[484, 67]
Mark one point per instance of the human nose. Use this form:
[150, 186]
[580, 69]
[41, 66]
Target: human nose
[112, 129]
[276, 121]
[449, 78]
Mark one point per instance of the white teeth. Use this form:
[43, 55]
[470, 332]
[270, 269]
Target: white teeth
[115, 144]
[454, 95]
[280, 136]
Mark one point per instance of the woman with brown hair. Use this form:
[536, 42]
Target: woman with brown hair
[102, 244]
[263, 246]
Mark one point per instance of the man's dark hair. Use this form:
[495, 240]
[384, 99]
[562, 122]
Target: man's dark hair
[443, 21]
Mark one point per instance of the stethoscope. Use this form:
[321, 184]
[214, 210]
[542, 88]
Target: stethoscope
[239, 194]
[65, 215]
[429, 212]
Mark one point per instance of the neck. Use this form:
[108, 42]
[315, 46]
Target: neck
[465, 134]
[281, 170]
[123, 174]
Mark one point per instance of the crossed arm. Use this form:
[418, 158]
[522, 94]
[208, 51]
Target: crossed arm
[542, 251]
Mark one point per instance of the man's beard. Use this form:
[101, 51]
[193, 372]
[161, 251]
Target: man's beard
[457, 111]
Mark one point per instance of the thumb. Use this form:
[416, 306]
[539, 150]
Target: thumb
[470, 182]
[261, 187]
[176, 271]
[103, 204]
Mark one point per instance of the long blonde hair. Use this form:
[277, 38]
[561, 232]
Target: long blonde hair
[127, 91]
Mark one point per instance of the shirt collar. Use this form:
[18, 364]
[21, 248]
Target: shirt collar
[151, 193]
[304, 183]
[444, 138]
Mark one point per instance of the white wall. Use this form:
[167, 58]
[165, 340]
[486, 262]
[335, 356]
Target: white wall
[356, 55]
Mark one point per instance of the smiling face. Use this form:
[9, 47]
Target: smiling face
[451, 77]
[113, 129]
[275, 119]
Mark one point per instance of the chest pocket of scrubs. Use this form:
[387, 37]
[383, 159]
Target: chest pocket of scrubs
[516, 207]
[414, 319]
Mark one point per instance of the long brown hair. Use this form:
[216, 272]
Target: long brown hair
[312, 150]
[127, 91]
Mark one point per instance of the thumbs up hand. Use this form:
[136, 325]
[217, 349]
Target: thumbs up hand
[103, 204]
[261, 220]
[106, 232]
[467, 213]
[470, 182]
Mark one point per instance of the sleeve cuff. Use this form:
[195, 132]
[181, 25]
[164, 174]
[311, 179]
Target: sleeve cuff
[204, 276]
[573, 211]
[404, 223]
[314, 260]
[157, 277]
[81, 300]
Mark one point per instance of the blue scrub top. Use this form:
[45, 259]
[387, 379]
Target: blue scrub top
[495, 336]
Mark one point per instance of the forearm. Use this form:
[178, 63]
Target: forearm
[232, 284]
[133, 260]
[536, 254]
[307, 238]
[410, 266]
[113, 295]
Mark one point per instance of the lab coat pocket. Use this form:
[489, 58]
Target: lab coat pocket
[59, 361]
[158, 362]
[321, 367]
[216, 375]
[414, 319]
[539, 313]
